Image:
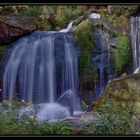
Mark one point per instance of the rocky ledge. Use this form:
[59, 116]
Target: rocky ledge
[13, 27]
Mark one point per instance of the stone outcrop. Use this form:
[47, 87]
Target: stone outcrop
[13, 27]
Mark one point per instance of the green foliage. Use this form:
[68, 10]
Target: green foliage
[119, 118]
[87, 71]
[119, 10]
[95, 76]
[10, 125]
[46, 10]
[3, 48]
[125, 10]
[85, 62]
[64, 13]
[113, 119]
[67, 13]
[84, 39]
[59, 128]
[84, 36]
[133, 9]
[33, 11]
[115, 113]
[77, 11]
[44, 26]
[122, 53]
[119, 19]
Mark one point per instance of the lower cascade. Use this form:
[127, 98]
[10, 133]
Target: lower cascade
[42, 69]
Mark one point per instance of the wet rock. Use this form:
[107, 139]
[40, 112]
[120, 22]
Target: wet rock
[89, 117]
[124, 75]
[113, 43]
[110, 9]
[85, 119]
[66, 100]
[13, 27]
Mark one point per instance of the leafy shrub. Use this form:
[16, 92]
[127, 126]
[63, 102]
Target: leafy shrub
[11, 125]
[33, 11]
[113, 119]
[122, 53]
[125, 10]
[84, 39]
[68, 13]
[44, 26]
[119, 10]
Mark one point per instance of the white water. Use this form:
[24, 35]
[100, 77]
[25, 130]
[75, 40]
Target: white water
[52, 112]
[50, 68]
[69, 28]
[137, 70]
[32, 68]
[135, 41]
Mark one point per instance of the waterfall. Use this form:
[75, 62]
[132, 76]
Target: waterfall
[50, 70]
[70, 73]
[35, 64]
[135, 41]
[102, 59]
[68, 29]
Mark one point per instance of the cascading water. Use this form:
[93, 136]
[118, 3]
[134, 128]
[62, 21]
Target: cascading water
[43, 70]
[135, 41]
[70, 74]
[102, 59]
[35, 65]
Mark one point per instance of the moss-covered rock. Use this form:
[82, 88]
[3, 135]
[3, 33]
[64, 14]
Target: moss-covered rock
[83, 34]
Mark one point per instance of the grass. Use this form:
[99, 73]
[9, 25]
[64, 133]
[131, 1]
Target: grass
[112, 120]
[11, 125]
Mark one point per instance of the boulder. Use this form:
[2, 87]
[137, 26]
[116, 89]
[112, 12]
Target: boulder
[66, 100]
[124, 74]
[110, 9]
[13, 27]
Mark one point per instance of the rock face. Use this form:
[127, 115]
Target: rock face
[12, 27]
